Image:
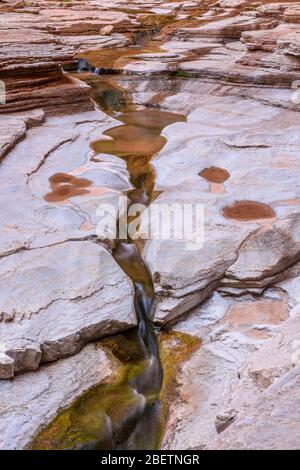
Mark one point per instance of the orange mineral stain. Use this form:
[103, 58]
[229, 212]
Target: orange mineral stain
[216, 177]
[86, 226]
[215, 174]
[251, 317]
[247, 211]
[65, 186]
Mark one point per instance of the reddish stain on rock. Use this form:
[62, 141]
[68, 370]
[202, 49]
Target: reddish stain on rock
[252, 318]
[65, 186]
[65, 178]
[215, 174]
[266, 311]
[248, 210]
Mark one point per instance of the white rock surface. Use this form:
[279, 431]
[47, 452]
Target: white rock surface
[232, 75]
[30, 401]
[271, 421]
[50, 315]
[245, 138]
[216, 384]
[45, 247]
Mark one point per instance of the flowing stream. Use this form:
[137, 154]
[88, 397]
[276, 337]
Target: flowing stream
[136, 141]
[128, 414]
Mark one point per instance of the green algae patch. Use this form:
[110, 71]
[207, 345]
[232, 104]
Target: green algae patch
[186, 75]
[156, 20]
[104, 416]
[89, 420]
[175, 349]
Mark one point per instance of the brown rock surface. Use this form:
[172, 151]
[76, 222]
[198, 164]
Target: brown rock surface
[52, 34]
[41, 38]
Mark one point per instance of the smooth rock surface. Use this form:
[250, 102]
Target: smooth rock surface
[30, 401]
[243, 137]
[271, 421]
[216, 384]
[46, 246]
[54, 314]
[232, 68]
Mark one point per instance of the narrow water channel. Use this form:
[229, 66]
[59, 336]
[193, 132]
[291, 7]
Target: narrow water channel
[136, 141]
[131, 411]
[127, 414]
